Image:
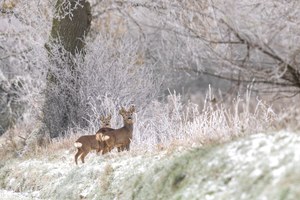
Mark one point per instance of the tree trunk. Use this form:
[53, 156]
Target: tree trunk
[67, 41]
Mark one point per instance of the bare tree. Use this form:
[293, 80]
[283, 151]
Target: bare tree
[252, 43]
[239, 41]
[258, 47]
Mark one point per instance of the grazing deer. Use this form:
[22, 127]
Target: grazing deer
[86, 143]
[121, 137]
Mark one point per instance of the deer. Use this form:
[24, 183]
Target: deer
[87, 143]
[121, 137]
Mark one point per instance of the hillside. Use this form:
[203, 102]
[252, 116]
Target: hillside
[260, 166]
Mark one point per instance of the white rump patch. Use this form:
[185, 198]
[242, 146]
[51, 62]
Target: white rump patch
[104, 138]
[77, 144]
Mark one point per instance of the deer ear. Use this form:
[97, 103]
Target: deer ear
[105, 137]
[122, 110]
[132, 108]
[101, 118]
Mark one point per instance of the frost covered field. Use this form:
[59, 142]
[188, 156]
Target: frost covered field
[215, 86]
[260, 166]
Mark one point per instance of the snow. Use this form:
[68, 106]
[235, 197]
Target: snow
[231, 170]
[256, 173]
[11, 195]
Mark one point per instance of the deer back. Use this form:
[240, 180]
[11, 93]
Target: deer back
[89, 142]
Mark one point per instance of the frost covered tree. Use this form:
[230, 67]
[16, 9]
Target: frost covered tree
[23, 27]
[89, 68]
[70, 25]
[251, 42]
[241, 41]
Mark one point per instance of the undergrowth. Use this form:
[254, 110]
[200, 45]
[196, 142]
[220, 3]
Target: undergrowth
[163, 126]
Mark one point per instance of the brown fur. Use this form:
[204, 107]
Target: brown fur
[87, 143]
[121, 137]
[104, 148]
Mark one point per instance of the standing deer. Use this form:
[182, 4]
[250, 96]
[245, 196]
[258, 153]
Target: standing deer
[121, 137]
[86, 143]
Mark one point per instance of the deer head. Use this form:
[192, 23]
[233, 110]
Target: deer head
[127, 115]
[105, 121]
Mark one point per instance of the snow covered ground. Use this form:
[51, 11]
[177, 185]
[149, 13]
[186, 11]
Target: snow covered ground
[260, 166]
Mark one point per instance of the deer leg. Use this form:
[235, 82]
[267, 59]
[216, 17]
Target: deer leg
[128, 147]
[101, 147]
[122, 148]
[79, 152]
[105, 150]
[98, 150]
[83, 156]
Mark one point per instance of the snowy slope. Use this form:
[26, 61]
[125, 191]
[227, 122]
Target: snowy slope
[261, 166]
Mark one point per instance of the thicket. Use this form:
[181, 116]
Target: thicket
[136, 50]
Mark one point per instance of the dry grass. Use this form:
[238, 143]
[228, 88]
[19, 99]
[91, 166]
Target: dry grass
[12, 143]
[8, 4]
[174, 125]
[105, 177]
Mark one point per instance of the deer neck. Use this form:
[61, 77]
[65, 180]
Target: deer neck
[128, 126]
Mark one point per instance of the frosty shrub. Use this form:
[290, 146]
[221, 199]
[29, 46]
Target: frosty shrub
[238, 41]
[162, 124]
[111, 74]
[172, 123]
[23, 32]
[215, 38]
